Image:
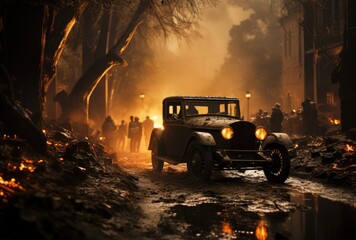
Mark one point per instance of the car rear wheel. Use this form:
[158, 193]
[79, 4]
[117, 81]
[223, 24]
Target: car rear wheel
[200, 162]
[157, 164]
[278, 170]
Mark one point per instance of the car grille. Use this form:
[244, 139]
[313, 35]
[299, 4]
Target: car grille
[244, 136]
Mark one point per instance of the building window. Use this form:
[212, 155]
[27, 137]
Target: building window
[330, 98]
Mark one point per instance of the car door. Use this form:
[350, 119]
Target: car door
[172, 133]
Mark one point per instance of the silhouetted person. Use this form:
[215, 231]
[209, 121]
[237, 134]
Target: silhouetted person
[121, 135]
[148, 126]
[276, 118]
[316, 128]
[136, 134]
[293, 122]
[108, 129]
[259, 118]
[307, 115]
[191, 110]
[131, 128]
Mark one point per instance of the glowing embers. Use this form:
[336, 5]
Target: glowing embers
[8, 187]
[10, 184]
[350, 148]
[5, 136]
[25, 165]
[334, 121]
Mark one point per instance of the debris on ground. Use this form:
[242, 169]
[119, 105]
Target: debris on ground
[329, 159]
[73, 192]
[76, 191]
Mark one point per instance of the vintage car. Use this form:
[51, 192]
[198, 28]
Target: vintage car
[208, 133]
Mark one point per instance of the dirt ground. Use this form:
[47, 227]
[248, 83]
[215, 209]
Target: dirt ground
[82, 190]
[174, 206]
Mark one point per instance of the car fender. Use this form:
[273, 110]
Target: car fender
[203, 138]
[280, 139]
[156, 133]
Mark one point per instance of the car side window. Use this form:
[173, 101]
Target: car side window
[174, 111]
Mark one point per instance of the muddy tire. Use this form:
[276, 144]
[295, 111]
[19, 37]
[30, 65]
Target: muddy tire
[200, 162]
[157, 164]
[278, 171]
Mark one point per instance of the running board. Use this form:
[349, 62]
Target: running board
[168, 160]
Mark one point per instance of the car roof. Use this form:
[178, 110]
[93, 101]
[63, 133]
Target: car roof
[199, 98]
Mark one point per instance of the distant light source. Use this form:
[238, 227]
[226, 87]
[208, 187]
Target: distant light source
[248, 96]
[142, 97]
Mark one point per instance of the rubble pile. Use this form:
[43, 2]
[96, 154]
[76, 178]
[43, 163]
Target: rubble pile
[73, 192]
[329, 159]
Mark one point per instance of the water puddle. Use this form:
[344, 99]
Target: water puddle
[313, 217]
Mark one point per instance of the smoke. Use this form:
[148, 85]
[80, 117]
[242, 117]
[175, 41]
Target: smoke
[237, 50]
[253, 62]
[189, 67]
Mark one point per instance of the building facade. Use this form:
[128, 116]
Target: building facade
[313, 37]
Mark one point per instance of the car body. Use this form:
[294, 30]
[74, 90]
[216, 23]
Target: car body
[208, 133]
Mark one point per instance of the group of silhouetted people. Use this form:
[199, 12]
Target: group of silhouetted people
[309, 123]
[115, 136]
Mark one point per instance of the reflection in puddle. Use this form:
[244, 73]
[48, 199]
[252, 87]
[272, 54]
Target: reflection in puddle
[226, 228]
[314, 218]
[261, 230]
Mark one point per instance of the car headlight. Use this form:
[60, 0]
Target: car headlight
[261, 133]
[227, 133]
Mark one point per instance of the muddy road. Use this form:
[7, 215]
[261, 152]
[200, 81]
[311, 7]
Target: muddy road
[236, 205]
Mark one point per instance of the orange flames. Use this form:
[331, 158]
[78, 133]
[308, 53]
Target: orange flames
[226, 228]
[334, 121]
[8, 186]
[261, 230]
[350, 148]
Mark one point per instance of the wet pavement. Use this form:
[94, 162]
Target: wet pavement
[237, 206]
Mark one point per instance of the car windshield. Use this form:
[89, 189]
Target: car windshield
[228, 108]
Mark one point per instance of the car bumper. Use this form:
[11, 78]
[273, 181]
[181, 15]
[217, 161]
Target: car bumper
[245, 157]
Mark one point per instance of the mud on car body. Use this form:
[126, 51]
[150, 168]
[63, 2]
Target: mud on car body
[208, 133]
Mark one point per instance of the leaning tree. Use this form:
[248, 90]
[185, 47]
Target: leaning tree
[32, 37]
[166, 17]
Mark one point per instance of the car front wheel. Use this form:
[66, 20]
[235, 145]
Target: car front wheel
[157, 164]
[278, 170]
[200, 162]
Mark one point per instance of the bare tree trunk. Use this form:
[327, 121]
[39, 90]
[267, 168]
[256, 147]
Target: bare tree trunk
[25, 34]
[99, 99]
[345, 73]
[24, 28]
[60, 24]
[75, 105]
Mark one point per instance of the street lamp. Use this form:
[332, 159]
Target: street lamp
[142, 97]
[248, 96]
